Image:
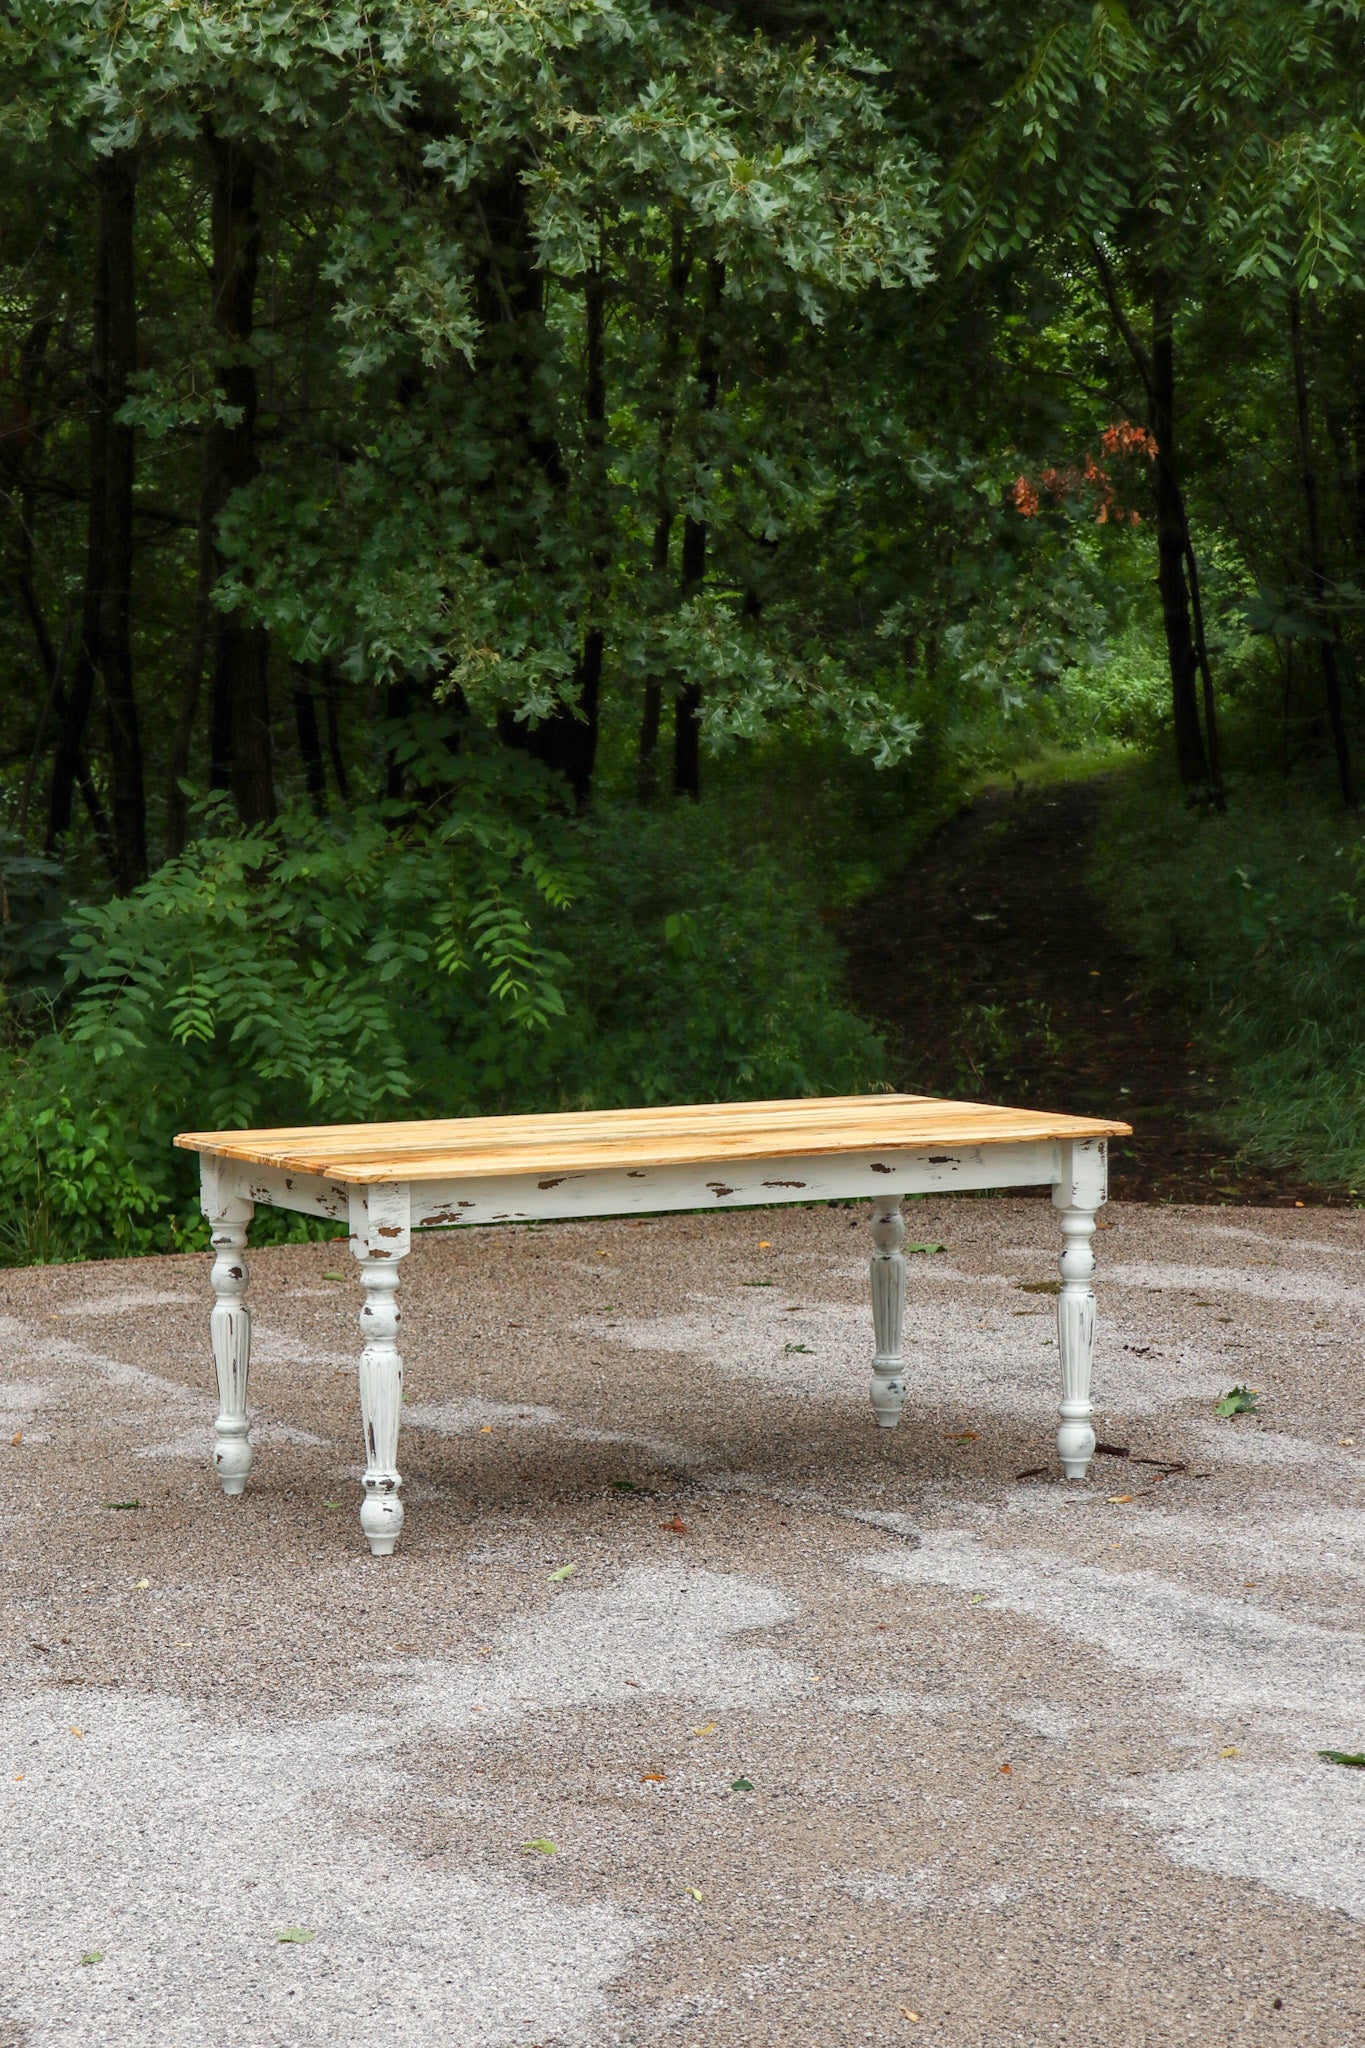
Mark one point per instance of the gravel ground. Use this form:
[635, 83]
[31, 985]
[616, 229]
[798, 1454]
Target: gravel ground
[1030, 1763]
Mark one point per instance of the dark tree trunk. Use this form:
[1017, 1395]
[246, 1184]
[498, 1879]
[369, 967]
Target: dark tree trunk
[651, 713]
[679, 268]
[1182, 619]
[329, 698]
[1172, 553]
[509, 283]
[192, 689]
[116, 177]
[16, 459]
[687, 711]
[105, 632]
[241, 755]
[52, 660]
[1357, 497]
[509, 294]
[1317, 565]
[397, 703]
[310, 740]
[75, 715]
[566, 741]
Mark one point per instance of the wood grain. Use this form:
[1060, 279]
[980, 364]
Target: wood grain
[476, 1148]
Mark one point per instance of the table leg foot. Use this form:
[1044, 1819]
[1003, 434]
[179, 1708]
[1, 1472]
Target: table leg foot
[230, 1329]
[886, 1270]
[381, 1517]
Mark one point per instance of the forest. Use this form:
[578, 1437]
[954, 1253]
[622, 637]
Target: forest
[516, 514]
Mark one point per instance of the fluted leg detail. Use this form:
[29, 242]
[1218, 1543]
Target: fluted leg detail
[887, 1271]
[230, 1328]
[381, 1403]
[1076, 1341]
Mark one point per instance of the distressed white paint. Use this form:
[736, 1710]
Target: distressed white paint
[1078, 1195]
[886, 1269]
[230, 1331]
[382, 1217]
[380, 1238]
[655, 1190]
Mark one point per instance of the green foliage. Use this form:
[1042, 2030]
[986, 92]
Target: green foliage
[597, 357]
[332, 970]
[71, 1188]
[701, 971]
[487, 954]
[1258, 918]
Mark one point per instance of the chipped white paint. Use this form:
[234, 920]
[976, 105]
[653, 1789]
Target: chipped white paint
[230, 1329]
[382, 1217]
[380, 1238]
[886, 1269]
[655, 1190]
[1077, 1196]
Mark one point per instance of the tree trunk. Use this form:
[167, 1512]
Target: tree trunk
[679, 268]
[687, 711]
[397, 704]
[176, 817]
[1357, 496]
[75, 715]
[1172, 551]
[566, 741]
[26, 434]
[651, 713]
[1317, 566]
[240, 741]
[1186, 651]
[329, 697]
[116, 177]
[53, 661]
[105, 635]
[310, 740]
[583, 741]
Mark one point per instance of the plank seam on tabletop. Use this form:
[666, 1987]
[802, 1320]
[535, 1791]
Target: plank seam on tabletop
[480, 1147]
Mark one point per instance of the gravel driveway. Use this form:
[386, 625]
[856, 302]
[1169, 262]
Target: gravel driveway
[837, 1736]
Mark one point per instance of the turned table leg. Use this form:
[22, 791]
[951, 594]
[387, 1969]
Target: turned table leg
[380, 1239]
[230, 1329]
[1078, 1195]
[886, 1268]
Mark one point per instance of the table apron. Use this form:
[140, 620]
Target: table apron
[651, 1190]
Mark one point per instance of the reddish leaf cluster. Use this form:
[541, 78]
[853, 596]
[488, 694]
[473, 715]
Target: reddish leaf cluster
[1125, 437]
[1088, 480]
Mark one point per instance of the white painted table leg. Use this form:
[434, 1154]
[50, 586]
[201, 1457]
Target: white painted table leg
[230, 1327]
[886, 1269]
[380, 1239]
[1078, 1196]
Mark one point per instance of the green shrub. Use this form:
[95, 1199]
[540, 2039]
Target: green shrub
[1258, 918]
[475, 952]
[71, 1190]
[701, 971]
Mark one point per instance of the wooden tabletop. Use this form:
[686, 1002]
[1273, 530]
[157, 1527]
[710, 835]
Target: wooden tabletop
[480, 1147]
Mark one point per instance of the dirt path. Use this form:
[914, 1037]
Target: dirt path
[994, 970]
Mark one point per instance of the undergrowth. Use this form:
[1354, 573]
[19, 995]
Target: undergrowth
[1257, 918]
[498, 957]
